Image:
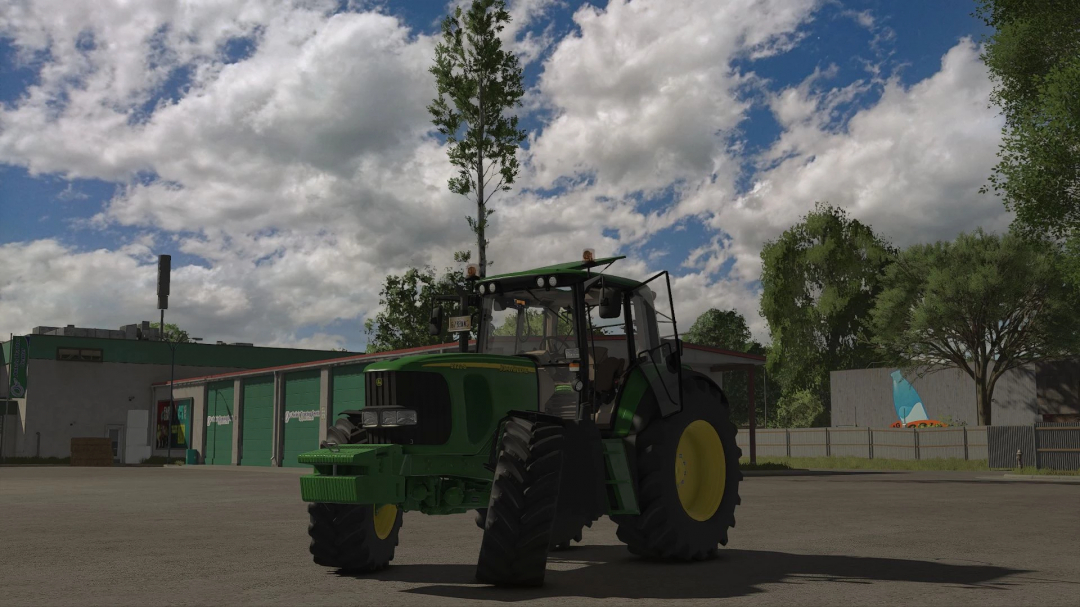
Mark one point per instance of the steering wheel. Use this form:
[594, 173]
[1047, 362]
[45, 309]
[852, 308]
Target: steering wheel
[556, 344]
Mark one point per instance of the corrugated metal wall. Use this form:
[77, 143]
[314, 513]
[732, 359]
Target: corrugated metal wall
[1057, 446]
[1005, 441]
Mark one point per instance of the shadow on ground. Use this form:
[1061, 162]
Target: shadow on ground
[612, 572]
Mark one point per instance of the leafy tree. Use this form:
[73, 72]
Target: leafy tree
[799, 409]
[1034, 60]
[406, 302]
[173, 333]
[819, 280]
[718, 329]
[728, 331]
[478, 82]
[983, 303]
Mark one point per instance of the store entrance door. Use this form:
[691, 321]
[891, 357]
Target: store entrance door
[115, 432]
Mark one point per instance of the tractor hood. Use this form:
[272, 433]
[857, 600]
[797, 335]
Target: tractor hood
[457, 361]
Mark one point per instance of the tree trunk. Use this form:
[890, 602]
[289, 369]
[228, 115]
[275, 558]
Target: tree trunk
[481, 219]
[982, 396]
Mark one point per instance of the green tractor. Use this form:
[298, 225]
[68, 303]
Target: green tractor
[574, 405]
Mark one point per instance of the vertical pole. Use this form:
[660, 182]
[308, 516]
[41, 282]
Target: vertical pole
[870, 442]
[1035, 443]
[765, 396]
[161, 332]
[753, 417]
[172, 402]
[828, 445]
[916, 432]
[966, 457]
[7, 394]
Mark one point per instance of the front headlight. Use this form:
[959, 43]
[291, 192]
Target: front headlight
[369, 418]
[397, 417]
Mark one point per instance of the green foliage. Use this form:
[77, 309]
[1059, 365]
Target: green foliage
[820, 279]
[478, 83]
[1034, 60]
[718, 329]
[728, 331]
[37, 461]
[983, 303]
[173, 333]
[406, 302]
[800, 409]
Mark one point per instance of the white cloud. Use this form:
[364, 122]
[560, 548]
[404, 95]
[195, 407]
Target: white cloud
[305, 172]
[644, 95]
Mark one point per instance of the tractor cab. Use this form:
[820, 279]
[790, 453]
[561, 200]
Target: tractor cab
[587, 333]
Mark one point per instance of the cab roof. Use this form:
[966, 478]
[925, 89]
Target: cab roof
[575, 270]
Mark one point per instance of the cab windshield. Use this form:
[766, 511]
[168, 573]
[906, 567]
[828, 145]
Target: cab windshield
[538, 323]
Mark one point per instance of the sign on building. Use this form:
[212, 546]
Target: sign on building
[20, 356]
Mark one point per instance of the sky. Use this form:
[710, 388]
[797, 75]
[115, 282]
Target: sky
[282, 153]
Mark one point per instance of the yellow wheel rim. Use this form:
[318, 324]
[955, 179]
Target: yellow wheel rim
[385, 517]
[700, 470]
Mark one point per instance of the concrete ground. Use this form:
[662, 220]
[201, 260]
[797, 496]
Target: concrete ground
[215, 536]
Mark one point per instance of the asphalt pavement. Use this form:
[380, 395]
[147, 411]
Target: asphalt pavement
[232, 536]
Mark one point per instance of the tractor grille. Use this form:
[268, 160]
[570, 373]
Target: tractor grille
[425, 393]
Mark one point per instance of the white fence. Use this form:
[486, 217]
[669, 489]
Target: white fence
[881, 443]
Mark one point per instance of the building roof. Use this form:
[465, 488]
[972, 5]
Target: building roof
[695, 355]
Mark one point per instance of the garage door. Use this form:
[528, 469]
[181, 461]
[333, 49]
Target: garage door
[219, 423]
[348, 389]
[301, 416]
[257, 428]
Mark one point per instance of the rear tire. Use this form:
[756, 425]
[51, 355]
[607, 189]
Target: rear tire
[524, 496]
[685, 524]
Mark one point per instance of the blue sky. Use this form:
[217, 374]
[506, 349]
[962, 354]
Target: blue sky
[284, 158]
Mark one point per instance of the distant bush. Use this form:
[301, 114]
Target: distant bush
[57, 461]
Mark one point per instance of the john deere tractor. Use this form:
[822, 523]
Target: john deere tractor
[573, 405]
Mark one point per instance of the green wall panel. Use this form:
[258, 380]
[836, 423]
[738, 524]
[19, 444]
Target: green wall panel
[301, 416]
[348, 389]
[257, 428]
[219, 423]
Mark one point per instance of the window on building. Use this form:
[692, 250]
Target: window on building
[79, 354]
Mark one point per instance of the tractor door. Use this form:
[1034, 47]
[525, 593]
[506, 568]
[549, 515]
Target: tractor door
[657, 341]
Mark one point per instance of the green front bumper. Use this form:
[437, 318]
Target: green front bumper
[354, 474]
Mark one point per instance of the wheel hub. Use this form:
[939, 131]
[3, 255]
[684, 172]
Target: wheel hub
[385, 517]
[700, 470]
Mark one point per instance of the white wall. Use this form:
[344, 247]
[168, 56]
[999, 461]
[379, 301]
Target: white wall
[79, 399]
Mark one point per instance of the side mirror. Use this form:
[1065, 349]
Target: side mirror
[610, 304]
[435, 322]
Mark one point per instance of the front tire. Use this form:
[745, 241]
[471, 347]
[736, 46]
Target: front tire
[524, 496]
[355, 538]
[688, 479]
